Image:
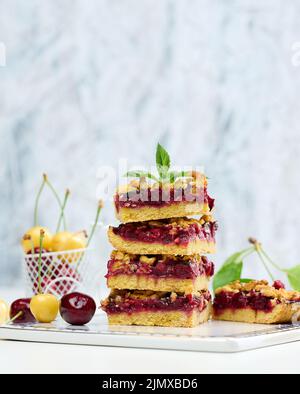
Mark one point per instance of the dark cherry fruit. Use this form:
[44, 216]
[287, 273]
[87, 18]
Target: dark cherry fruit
[77, 309]
[21, 308]
[278, 285]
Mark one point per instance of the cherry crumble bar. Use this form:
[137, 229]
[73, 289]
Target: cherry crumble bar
[180, 236]
[159, 272]
[255, 302]
[149, 308]
[139, 201]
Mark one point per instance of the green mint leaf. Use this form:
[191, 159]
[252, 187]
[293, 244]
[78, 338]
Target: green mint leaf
[231, 269]
[163, 161]
[140, 174]
[294, 277]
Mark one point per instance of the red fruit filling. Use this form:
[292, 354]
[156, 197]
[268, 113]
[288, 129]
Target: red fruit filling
[167, 233]
[241, 300]
[162, 268]
[124, 301]
[278, 285]
[161, 197]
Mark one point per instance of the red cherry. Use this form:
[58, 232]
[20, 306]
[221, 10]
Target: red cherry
[77, 309]
[22, 307]
[278, 285]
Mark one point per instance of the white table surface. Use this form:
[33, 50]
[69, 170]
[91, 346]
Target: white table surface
[19, 357]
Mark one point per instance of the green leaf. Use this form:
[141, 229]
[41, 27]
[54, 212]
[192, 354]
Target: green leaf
[231, 269]
[163, 161]
[228, 274]
[244, 280]
[294, 277]
[140, 174]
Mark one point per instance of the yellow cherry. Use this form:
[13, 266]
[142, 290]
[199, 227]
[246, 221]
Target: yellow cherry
[65, 241]
[77, 241]
[60, 241]
[44, 307]
[4, 312]
[31, 239]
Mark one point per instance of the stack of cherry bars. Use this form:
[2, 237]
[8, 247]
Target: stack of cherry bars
[158, 273]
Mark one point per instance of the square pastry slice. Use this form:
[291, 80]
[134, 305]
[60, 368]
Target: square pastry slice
[181, 274]
[139, 201]
[256, 302]
[170, 236]
[165, 309]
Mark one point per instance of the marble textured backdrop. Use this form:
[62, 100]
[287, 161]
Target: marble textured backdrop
[89, 81]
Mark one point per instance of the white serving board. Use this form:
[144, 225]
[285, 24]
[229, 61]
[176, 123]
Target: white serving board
[214, 336]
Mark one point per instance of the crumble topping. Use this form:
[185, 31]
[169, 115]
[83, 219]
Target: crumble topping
[194, 180]
[121, 295]
[261, 287]
[126, 258]
[180, 222]
[185, 267]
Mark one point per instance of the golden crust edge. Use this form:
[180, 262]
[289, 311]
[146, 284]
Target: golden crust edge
[131, 215]
[161, 318]
[194, 247]
[136, 282]
[282, 313]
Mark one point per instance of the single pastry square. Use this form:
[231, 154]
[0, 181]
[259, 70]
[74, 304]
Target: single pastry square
[165, 309]
[179, 236]
[256, 302]
[140, 201]
[180, 274]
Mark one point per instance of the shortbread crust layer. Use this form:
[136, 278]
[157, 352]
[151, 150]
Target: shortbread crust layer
[162, 319]
[194, 247]
[144, 282]
[180, 209]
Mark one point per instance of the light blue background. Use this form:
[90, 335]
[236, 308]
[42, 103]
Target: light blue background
[87, 82]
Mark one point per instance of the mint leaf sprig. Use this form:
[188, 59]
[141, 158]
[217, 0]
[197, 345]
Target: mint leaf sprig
[163, 165]
[232, 269]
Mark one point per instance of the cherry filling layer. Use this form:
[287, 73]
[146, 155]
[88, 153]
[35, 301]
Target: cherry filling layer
[162, 268]
[161, 197]
[167, 234]
[242, 300]
[126, 302]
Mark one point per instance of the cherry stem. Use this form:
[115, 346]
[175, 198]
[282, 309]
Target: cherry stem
[259, 251]
[37, 200]
[15, 317]
[100, 206]
[40, 261]
[49, 184]
[61, 217]
[272, 262]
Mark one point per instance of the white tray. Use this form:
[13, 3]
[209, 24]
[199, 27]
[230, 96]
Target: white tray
[210, 337]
